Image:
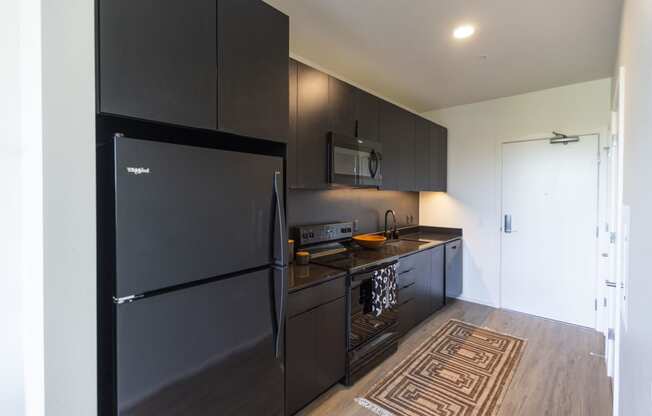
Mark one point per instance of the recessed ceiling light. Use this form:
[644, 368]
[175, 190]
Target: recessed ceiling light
[463, 32]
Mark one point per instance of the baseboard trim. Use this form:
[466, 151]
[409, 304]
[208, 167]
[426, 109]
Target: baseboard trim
[478, 301]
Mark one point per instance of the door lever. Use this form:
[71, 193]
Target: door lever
[507, 228]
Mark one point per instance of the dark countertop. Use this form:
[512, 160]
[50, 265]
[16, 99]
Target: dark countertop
[301, 277]
[438, 235]
[411, 240]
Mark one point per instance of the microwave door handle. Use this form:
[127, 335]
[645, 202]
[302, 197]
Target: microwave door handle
[357, 170]
[373, 163]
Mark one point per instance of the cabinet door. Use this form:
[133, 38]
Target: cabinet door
[312, 128]
[443, 166]
[291, 161]
[301, 383]
[454, 269]
[315, 353]
[390, 138]
[341, 107]
[408, 182]
[158, 61]
[407, 316]
[438, 157]
[367, 115]
[437, 274]
[423, 283]
[253, 42]
[397, 137]
[422, 154]
[330, 351]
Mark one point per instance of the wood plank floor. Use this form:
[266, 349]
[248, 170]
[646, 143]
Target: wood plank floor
[556, 376]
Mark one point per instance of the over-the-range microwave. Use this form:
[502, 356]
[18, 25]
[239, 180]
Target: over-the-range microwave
[354, 161]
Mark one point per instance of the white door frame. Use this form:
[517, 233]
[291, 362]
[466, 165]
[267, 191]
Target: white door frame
[618, 310]
[597, 287]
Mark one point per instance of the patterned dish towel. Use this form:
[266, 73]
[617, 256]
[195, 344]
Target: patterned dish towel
[383, 290]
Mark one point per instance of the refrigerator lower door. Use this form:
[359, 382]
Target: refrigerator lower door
[205, 350]
[187, 213]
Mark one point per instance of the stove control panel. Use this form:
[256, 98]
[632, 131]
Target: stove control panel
[322, 233]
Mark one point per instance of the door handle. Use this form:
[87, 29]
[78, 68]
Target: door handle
[373, 164]
[274, 310]
[281, 224]
[507, 228]
[278, 320]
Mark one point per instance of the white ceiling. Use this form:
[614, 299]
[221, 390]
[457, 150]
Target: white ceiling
[404, 50]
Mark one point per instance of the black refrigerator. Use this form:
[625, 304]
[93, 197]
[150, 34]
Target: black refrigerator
[200, 280]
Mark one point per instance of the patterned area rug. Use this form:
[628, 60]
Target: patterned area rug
[462, 370]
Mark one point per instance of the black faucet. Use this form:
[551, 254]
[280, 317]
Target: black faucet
[394, 233]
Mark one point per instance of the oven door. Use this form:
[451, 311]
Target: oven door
[354, 162]
[364, 325]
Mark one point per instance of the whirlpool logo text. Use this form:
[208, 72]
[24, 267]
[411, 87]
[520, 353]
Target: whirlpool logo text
[137, 171]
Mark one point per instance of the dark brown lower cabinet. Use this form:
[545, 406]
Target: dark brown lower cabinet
[453, 269]
[421, 287]
[315, 353]
[407, 316]
[437, 276]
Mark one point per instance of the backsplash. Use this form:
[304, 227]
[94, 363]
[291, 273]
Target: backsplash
[368, 206]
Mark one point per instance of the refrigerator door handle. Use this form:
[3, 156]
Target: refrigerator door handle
[281, 223]
[279, 321]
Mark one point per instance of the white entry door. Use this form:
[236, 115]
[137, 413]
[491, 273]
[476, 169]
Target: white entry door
[549, 244]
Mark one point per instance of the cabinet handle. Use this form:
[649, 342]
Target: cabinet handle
[406, 302]
[410, 285]
[405, 271]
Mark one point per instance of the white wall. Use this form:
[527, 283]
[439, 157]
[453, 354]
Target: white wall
[69, 207]
[11, 356]
[635, 54]
[475, 132]
[47, 214]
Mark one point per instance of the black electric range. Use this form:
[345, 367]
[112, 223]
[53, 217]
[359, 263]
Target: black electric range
[371, 338]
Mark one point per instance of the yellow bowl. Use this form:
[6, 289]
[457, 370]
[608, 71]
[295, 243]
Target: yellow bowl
[370, 240]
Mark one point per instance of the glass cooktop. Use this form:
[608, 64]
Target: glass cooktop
[356, 258]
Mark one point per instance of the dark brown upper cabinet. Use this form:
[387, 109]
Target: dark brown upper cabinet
[219, 65]
[253, 48]
[414, 149]
[430, 156]
[312, 127]
[422, 153]
[408, 177]
[367, 110]
[342, 107]
[291, 163]
[397, 136]
[149, 71]
[438, 158]
[353, 112]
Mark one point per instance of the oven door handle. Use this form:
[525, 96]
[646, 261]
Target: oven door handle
[373, 164]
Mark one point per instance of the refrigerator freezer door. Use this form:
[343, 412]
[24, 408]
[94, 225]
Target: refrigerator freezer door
[204, 350]
[188, 213]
